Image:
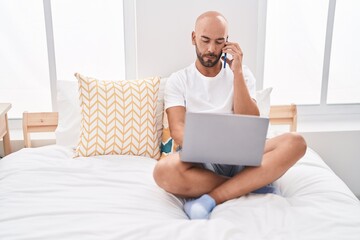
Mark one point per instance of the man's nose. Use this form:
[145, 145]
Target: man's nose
[211, 47]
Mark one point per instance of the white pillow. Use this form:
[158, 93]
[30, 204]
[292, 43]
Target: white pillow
[263, 101]
[68, 131]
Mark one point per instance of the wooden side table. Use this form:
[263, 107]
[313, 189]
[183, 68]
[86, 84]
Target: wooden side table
[4, 127]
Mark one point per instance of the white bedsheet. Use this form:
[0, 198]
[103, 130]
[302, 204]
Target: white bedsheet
[47, 194]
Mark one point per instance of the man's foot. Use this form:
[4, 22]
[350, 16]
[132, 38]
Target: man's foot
[199, 208]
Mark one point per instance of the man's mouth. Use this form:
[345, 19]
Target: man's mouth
[209, 57]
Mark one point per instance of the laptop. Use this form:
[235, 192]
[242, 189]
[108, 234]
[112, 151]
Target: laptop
[224, 139]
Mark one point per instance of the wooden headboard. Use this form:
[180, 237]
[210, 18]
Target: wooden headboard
[284, 115]
[48, 121]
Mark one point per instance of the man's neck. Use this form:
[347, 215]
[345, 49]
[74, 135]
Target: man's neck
[208, 71]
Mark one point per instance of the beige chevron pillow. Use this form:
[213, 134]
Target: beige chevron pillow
[118, 117]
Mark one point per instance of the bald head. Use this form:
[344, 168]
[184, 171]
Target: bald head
[211, 20]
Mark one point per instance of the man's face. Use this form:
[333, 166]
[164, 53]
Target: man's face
[209, 50]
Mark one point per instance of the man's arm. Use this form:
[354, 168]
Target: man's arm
[243, 103]
[176, 118]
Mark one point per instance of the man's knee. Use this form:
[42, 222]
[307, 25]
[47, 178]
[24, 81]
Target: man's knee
[296, 143]
[160, 173]
[169, 174]
[299, 141]
[165, 172]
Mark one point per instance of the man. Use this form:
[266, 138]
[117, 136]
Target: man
[207, 86]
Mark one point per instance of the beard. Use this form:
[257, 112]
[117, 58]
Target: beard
[210, 62]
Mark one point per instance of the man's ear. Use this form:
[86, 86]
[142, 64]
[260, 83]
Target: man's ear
[193, 38]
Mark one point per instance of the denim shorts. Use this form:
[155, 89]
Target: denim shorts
[221, 169]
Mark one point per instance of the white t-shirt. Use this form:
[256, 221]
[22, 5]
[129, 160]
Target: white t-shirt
[190, 89]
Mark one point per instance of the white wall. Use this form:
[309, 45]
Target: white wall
[164, 32]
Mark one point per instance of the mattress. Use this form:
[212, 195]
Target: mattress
[45, 193]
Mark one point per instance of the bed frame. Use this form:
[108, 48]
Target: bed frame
[284, 115]
[48, 121]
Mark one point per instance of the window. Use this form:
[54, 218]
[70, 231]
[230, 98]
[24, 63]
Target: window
[294, 50]
[311, 53]
[88, 38]
[46, 40]
[23, 57]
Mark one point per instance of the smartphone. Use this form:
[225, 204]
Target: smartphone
[225, 54]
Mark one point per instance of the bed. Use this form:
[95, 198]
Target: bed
[46, 193]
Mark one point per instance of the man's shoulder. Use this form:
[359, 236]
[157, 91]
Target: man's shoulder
[184, 71]
[182, 74]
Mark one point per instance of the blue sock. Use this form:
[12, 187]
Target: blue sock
[270, 188]
[199, 208]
